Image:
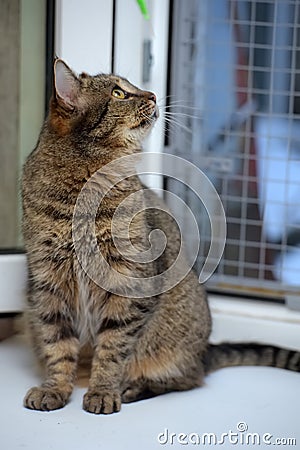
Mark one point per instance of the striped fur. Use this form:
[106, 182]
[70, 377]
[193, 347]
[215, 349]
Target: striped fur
[139, 346]
[231, 354]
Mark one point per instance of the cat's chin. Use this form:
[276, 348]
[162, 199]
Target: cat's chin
[140, 132]
[146, 123]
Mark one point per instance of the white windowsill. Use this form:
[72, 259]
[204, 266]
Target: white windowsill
[265, 399]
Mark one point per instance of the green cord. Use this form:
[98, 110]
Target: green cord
[143, 7]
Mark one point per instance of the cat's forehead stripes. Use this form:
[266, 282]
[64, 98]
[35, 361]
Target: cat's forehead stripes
[128, 87]
[108, 82]
[115, 80]
[134, 91]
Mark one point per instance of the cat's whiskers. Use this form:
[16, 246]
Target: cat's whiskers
[179, 107]
[146, 117]
[177, 104]
[171, 119]
[178, 125]
[181, 114]
[177, 113]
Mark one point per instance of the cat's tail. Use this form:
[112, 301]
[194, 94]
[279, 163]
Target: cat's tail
[232, 354]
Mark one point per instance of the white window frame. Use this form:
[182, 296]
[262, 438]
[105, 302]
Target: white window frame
[79, 37]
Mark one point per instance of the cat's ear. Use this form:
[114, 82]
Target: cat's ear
[66, 85]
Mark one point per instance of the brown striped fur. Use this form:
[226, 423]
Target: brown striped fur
[139, 345]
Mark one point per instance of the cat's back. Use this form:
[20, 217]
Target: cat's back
[49, 193]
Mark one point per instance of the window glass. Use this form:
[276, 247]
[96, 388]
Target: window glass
[22, 93]
[235, 85]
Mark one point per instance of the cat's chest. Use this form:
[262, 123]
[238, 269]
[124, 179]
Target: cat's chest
[90, 300]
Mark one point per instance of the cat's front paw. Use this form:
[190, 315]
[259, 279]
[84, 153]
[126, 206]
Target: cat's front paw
[102, 402]
[44, 399]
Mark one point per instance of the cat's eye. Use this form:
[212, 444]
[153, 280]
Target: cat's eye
[118, 93]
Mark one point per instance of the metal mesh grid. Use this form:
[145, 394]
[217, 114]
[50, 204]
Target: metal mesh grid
[235, 85]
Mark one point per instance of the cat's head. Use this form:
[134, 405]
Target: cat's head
[105, 108]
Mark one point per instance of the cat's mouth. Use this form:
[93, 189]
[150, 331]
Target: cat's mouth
[155, 114]
[147, 121]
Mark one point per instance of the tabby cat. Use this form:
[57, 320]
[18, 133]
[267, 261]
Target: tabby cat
[141, 345]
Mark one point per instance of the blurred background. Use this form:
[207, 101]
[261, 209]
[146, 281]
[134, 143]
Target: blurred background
[228, 70]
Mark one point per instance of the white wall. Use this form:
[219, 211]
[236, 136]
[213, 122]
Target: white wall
[84, 34]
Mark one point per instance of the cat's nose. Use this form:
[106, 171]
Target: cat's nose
[152, 97]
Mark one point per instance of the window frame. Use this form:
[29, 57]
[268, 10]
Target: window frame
[233, 318]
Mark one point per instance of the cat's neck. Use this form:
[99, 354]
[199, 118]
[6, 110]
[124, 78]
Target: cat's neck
[84, 151]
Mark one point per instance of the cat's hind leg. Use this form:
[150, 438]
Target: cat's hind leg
[142, 389]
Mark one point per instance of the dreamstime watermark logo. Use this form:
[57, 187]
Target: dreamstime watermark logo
[112, 205]
[240, 436]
